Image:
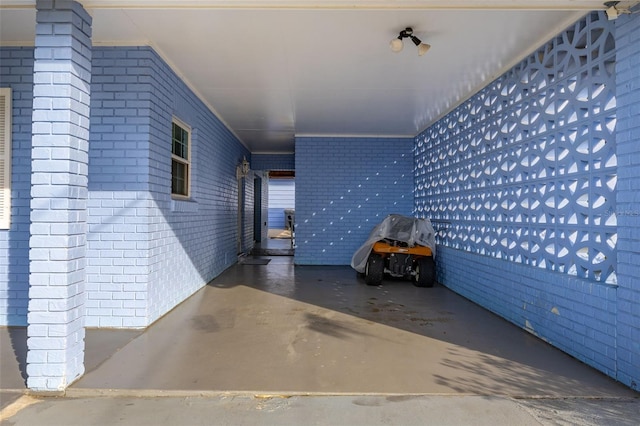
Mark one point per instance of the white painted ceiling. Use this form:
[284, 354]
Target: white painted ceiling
[272, 70]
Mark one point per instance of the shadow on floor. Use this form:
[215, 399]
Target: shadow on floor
[100, 345]
[282, 328]
[13, 356]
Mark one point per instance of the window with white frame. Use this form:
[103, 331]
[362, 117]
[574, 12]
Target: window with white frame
[5, 158]
[180, 159]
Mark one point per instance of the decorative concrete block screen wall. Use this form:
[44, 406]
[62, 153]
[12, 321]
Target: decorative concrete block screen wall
[521, 178]
[147, 251]
[344, 187]
[16, 72]
[526, 169]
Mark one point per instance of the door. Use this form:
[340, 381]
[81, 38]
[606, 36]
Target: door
[257, 209]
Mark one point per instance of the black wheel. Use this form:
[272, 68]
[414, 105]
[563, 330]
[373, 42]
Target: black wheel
[425, 272]
[374, 270]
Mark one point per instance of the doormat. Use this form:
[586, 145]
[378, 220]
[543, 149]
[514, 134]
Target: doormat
[253, 261]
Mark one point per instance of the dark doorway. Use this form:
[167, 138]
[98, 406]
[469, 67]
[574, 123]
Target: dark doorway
[257, 209]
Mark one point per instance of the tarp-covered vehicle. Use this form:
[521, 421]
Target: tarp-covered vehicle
[399, 246]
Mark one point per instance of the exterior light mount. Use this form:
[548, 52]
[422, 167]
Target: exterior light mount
[396, 44]
[242, 169]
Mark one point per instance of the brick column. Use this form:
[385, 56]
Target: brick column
[62, 72]
[628, 198]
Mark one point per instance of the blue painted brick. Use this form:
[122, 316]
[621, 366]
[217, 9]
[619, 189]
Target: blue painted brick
[16, 72]
[132, 108]
[493, 282]
[344, 187]
[628, 135]
[577, 314]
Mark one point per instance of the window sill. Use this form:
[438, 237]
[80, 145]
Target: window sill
[184, 205]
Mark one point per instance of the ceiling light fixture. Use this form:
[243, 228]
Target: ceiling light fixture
[397, 44]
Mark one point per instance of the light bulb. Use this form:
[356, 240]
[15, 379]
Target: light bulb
[423, 48]
[396, 45]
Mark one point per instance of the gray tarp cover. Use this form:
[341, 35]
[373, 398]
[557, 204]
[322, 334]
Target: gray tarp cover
[411, 230]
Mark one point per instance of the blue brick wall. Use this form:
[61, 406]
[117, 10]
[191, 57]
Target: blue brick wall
[526, 186]
[137, 234]
[191, 242]
[16, 72]
[148, 252]
[344, 187]
[273, 162]
[628, 202]
[570, 313]
[120, 204]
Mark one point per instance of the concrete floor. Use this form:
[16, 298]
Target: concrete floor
[267, 327]
[339, 410]
[277, 328]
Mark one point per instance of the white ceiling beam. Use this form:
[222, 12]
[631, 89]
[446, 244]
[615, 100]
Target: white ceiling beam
[338, 4]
